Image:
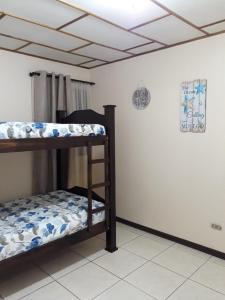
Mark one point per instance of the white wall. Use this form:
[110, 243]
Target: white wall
[16, 105]
[167, 180]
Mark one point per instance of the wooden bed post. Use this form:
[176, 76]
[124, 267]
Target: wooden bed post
[62, 159]
[111, 231]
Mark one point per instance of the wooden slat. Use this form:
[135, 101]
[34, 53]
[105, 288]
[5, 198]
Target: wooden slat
[98, 185]
[98, 161]
[107, 179]
[96, 210]
[89, 157]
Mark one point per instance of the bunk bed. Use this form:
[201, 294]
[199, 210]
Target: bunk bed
[29, 225]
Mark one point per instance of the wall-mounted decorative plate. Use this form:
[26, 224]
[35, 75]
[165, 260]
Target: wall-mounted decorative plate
[141, 98]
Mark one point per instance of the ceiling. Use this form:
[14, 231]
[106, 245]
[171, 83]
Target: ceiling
[90, 33]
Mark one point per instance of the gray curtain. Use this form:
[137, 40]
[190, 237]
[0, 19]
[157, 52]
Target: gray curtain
[50, 95]
[81, 97]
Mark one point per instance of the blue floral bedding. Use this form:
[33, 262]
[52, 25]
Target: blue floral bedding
[20, 130]
[28, 223]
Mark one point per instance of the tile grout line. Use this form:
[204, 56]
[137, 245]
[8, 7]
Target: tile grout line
[106, 289]
[91, 260]
[54, 280]
[171, 246]
[34, 291]
[188, 278]
[66, 273]
[124, 243]
[147, 261]
[205, 286]
[153, 256]
[151, 260]
[136, 287]
[68, 290]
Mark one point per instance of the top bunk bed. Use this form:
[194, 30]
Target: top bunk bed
[80, 128]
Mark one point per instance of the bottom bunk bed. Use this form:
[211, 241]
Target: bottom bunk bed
[28, 223]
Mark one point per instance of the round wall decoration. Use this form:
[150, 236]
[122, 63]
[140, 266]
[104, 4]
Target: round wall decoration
[141, 98]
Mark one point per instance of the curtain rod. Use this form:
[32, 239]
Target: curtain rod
[57, 76]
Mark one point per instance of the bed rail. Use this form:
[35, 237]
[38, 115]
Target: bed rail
[34, 144]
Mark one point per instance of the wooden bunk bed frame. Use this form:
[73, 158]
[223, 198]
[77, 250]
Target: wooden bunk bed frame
[62, 144]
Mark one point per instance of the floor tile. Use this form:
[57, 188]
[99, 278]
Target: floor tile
[180, 261]
[132, 229]
[62, 263]
[122, 291]
[123, 236]
[22, 282]
[159, 239]
[51, 291]
[155, 280]
[146, 247]
[120, 263]
[194, 291]
[192, 251]
[218, 261]
[91, 249]
[88, 281]
[211, 275]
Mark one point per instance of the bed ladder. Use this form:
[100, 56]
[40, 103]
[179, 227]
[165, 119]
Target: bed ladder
[92, 186]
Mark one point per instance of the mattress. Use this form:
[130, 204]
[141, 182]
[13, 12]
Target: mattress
[28, 223]
[20, 130]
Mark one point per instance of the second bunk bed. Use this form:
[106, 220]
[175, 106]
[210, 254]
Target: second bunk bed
[66, 214]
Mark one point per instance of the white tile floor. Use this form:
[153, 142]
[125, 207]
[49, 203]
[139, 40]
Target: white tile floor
[145, 267]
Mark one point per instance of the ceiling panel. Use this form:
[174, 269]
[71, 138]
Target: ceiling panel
[100, 52]
[35, 33]
[145, 48]
[126, 13]
[48, 12]
[101, 32]
[215, 28]
[169, 30]
[10, 43]
[54, 54]
[200, 12]
[92, 64]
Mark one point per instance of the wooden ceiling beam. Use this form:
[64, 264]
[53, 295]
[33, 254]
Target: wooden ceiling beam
[149, 22]
[107, 21]
[72, 21]
[213, 23]
[89, 42]
[41, 57]
[139, 46]
[178, 16]
[50, 47]
[164, 48]
[21, 47]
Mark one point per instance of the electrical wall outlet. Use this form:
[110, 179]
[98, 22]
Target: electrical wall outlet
[216, 226]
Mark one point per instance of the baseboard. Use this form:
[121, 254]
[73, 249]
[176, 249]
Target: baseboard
[174, 238]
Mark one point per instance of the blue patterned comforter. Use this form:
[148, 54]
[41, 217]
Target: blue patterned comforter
[28, 223]
[20, 130]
